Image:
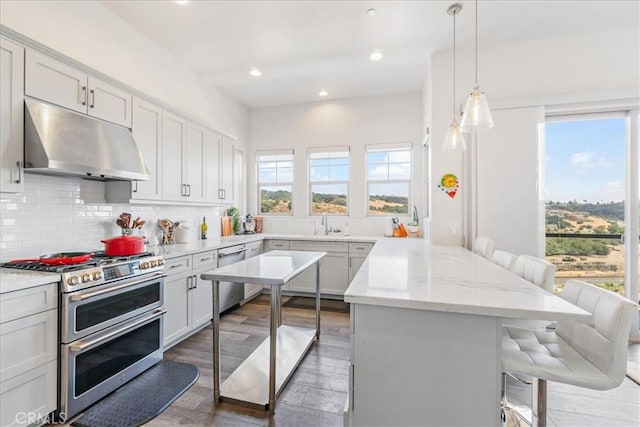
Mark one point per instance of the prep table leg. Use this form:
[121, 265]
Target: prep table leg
[273, 334]
[216, 340]
[317, 300]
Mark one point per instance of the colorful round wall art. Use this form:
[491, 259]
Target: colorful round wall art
[449, 184]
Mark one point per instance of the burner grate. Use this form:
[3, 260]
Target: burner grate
[98, 259]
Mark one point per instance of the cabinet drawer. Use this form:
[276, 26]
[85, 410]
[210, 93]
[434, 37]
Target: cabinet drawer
[205, 259]
[32, 394]
[176, 265]
[320, 246]
[27, 343]
[14, 305]
[360, 248]
[277, 244]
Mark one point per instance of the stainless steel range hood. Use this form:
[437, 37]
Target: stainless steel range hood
[61, 142]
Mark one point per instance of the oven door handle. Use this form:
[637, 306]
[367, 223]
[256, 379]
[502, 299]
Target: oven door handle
[81, 297]
[83, 345]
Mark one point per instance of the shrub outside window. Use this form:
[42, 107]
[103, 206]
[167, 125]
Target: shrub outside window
[329, 181]
[388, 179]
[275, 181]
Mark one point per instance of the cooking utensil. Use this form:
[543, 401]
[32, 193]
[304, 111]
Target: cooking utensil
[123, 245]
[62, 258]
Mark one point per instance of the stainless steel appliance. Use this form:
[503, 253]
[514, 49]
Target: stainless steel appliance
[111, 324]
[230, 293]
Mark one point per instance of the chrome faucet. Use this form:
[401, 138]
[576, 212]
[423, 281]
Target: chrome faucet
[325, 223]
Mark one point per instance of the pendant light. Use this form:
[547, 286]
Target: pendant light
[477, 115]
[454, 141]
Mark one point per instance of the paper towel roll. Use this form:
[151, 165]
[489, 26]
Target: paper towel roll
[388, 227]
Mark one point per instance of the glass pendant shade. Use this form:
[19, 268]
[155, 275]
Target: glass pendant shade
[454, 140]
[477, 115]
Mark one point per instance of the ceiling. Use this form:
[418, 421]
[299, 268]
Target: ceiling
[302, 47]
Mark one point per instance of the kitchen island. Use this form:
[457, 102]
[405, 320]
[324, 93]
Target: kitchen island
[262, 376]
[426, 324]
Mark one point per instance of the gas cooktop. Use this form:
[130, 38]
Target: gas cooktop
[98, 259]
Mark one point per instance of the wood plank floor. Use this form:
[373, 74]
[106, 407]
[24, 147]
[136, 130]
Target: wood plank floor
[315, 395]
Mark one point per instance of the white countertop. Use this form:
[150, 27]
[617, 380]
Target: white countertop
[408, 273]
[274, 268]
[14, 280]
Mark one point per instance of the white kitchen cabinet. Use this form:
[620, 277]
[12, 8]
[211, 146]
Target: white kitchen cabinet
[357, 254]
[11, 116]
[277, 244]
[219, 169]
[147, 131]
[187, 298]
[176, 299]
[227, 152]
[66, 86]
[253, 249]
[193, 163]
[28, 353]
[201, 291]
[334, 268]
[174, 134]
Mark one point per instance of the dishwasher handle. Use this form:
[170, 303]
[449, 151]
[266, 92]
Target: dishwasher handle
[222, 254]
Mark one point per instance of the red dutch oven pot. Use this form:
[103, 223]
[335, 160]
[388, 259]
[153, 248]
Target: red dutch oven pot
[123, 245]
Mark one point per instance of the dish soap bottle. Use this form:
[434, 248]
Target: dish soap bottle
[203, 229]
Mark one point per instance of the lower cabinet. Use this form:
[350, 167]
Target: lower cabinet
[187, 298]
[28, 355]
[357, 254]
[334, 268]
[253, 249]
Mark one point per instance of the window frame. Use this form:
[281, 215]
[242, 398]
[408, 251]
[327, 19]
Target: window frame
[388, 148]
[260, 185]
[310, 183]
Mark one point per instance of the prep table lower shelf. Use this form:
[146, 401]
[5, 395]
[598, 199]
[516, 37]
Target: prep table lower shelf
[248, 385]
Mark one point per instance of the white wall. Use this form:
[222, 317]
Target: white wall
[91, 34]
[354, 122]
[587, 67]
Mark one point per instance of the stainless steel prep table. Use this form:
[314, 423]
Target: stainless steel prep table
[251, 384]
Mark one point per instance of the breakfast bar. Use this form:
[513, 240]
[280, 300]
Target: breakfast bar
[252, 383]
[426, 325]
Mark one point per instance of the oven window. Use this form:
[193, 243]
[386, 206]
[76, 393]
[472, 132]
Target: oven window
[94, 313]
[100, 363]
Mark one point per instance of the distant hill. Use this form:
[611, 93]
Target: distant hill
[611, 210]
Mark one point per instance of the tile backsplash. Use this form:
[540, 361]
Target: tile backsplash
[57, 214]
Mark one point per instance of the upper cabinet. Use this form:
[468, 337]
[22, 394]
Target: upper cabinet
[227, 151]
[11, 116]
[219, 169]
[66, 86]
[193, 163]
[174, 135]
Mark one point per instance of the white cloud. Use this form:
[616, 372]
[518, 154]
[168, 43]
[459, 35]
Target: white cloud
[586, 161]
[612, 191]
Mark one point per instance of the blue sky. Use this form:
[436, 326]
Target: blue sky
[585, 160]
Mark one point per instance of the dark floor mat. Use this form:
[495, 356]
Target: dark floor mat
[143, 398]
[325, 304]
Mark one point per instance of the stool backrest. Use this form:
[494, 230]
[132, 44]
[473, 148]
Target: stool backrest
[503, 258]
[604, 341]
[483, 246]
[536, 270]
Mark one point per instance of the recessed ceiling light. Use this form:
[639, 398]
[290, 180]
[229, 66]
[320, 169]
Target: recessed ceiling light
[371, 12]
[376, 55]
[255, 72]
[323, 93]
[182, 2]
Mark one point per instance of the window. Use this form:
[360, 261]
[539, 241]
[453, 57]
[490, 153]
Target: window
[388, 179]
[329, 180]
[275, 181]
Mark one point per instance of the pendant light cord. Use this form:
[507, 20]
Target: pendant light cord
[454, 66]
[476, 42]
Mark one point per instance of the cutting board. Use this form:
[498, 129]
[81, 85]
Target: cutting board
[227, 225]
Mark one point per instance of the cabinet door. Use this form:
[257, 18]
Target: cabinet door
[176, 301]
[212, 167]
[201, 296]
[11, 116]
[334, 273]
[32, 394]
[253, 249]
[355, 262]
[109, 103]
[194, 163]
[226, 169]
[173, 140]
[55, 82]
[147, 131]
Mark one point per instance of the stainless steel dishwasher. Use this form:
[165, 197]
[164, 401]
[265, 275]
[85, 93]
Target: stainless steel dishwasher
[230, 293]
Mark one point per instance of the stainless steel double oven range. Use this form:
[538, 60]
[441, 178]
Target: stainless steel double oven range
[111, 325]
